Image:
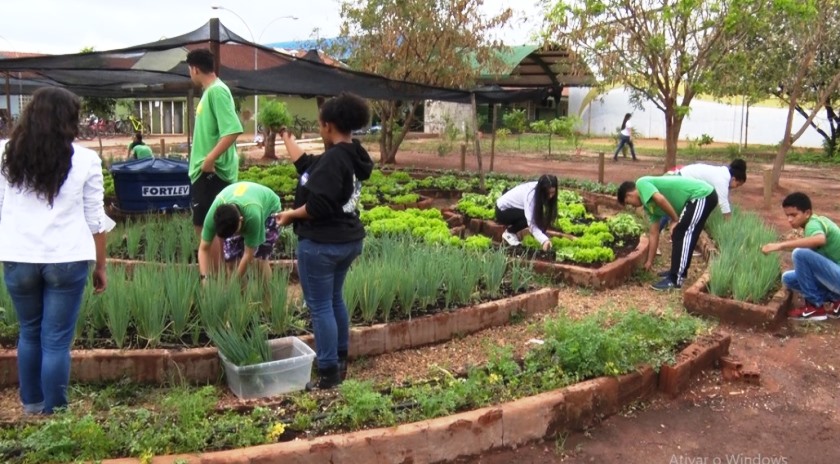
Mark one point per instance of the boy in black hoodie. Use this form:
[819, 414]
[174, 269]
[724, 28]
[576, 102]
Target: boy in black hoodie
[328, 227]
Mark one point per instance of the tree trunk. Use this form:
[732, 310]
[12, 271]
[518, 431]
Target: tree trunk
[270, 139]
[673, 124]
[779, 162]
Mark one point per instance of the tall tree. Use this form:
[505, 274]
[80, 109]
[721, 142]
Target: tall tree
[436, 42]
[800, 63]
[664, 51]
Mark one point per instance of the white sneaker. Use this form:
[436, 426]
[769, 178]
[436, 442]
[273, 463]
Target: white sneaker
[510, 238]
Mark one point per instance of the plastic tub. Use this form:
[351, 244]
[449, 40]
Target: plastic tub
[289, 370]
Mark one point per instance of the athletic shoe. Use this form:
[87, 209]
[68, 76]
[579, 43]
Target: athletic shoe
[807, 313]
[834, 310]
[665, 284]
[510, 238]
[664, 273]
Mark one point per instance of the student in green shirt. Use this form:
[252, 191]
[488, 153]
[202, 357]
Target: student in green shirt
[816, 260]
[214, 163]
[243, 216]
[687, 202]
[142, 152]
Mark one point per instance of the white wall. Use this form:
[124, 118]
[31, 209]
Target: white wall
[436, 114]
[724, 123]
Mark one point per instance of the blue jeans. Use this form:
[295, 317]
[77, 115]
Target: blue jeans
[625, 140]
[814, 276]
[322, 268]
[47, 298]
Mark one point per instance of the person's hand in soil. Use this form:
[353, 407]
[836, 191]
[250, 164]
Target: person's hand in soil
[648, 265]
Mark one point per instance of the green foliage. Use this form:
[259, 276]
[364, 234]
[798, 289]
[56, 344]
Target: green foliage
[741, 271]
[516, 121]
[274, 114]
[625, 225]
[361, 405]
[614, 344]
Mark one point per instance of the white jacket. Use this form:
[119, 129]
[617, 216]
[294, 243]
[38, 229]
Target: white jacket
[33, 232]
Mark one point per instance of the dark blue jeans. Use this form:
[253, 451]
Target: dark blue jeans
[814, 276]
[322, 268]
[625, 140]
[47, 298]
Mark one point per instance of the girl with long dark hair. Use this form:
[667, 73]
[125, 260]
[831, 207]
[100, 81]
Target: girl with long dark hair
[52, 226]
[626, 138]
[532, 205]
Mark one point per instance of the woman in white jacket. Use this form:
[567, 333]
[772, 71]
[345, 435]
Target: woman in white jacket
[52, 226]
[532, 205]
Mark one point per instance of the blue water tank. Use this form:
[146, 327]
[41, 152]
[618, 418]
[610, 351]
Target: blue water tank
[152, 184]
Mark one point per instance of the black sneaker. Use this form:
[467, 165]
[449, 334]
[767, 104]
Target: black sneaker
[665, 284]
[327, 378]
[664, 274]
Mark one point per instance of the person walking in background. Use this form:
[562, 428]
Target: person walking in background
[243, 216]
[532, 205]
[626, 138]
[214, 163]
[328, 227]
[52, 226]
[816, 260]
[687, 202]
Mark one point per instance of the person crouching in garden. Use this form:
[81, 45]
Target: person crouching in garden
[532, 205]
[816, 260]
[687, 202]
[326, 221]
[243, 216]
[52, 227]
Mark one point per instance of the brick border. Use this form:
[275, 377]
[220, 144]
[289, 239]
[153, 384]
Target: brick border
[698, 300]
[201, 365]
[471, 433]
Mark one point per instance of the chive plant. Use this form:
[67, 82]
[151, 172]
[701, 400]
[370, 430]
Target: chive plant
[742, 271]
[179, 287]
[150, 316]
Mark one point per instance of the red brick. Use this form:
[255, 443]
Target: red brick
[529, 419]
[465, 434]
[422, 331]
[636, 386]
[446, 325]
[397, 336]
[367, 341]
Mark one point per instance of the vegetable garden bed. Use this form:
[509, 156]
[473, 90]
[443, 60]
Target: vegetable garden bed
[741, 284]
[505, 403]
[202, 366]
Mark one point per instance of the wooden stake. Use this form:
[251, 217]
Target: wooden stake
[162, 147]
[600, 167]
[768, 188]
[463, 157]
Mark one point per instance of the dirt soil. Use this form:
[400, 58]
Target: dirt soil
[791, 417]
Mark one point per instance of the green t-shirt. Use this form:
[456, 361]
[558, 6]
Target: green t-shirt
[678, 190]
[823, 225]
[256, 203]
[142, 151]
[215, 117]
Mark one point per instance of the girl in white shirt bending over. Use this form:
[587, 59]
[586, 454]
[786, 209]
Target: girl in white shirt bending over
[532, 205]
[626, 138]
[52, 227]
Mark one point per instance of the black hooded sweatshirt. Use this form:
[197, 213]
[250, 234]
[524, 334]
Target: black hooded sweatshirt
[329, 185]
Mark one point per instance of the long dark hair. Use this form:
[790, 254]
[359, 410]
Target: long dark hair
[626, 118]
[39, 152]
[545, 206]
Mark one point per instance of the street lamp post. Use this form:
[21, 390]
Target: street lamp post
[254, 41]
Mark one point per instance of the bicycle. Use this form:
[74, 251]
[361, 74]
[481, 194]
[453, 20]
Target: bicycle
[131, 125]
[301, 126]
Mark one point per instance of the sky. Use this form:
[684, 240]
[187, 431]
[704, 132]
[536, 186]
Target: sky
[62, 26]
